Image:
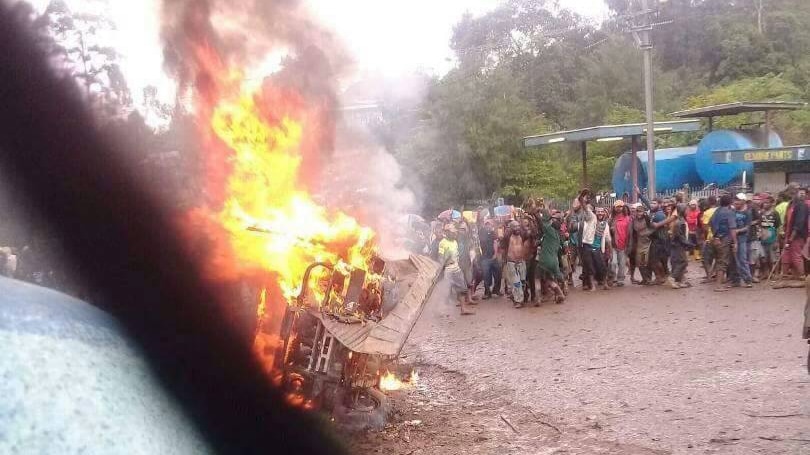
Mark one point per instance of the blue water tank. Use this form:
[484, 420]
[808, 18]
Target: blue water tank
[723, 174]
[675, 167]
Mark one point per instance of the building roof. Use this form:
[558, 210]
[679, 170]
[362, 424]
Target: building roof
[610, 132]
[739, 108]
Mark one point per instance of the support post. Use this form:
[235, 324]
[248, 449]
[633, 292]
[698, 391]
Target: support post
[766, 140]
[711, 124]
[584, 148]
[634, 167]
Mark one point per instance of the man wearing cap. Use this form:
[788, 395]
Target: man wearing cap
[621, 233]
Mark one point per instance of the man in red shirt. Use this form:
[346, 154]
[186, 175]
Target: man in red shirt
[795, 236]
[692, 224]
[621, 231]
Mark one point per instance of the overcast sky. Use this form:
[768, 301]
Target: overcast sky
[396, 36]
[389, 37]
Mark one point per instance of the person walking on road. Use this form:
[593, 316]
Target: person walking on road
[706, 236]
[660, 217]
[601, 239]
[515, 264]
[724, 242]
[643, 231]
[795, 236]
[530, 233]
[449, 255]
[742, 218]
[587, 232]
[621, 234]
[680, 245]
[693, 224]
[548, 263]
[465, 258]
[489, 261]
[770, 224]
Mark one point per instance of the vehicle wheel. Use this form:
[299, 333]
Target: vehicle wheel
[371, 412]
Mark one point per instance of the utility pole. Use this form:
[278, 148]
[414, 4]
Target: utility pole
[643, 36]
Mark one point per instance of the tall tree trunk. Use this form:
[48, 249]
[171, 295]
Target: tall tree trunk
[760, 6]
[84, 63]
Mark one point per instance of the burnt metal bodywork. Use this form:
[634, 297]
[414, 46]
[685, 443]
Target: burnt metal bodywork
[333, 359]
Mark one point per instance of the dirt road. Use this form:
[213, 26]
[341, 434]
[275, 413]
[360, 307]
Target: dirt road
[629, 371]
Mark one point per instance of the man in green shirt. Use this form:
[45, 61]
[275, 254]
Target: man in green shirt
[781, 209]
[548, 254]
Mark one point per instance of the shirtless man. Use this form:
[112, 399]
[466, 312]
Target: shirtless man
[530, 253]
[515, 263]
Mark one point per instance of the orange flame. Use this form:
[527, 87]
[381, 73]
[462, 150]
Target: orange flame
[263, 193]
[261, 147]
[389, 381]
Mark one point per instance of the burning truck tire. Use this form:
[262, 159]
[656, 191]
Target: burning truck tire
[334, 350]
[368, 411]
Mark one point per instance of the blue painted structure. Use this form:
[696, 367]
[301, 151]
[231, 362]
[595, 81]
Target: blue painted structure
[691, 165]
[675, 167]
[723, 174]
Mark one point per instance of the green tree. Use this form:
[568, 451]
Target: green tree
[471, 130]
[79, 46]
[528, 68]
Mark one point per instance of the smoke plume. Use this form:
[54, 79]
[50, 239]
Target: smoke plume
[204, 39]
[346, 168]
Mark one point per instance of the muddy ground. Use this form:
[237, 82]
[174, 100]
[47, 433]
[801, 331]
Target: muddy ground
[629, 371]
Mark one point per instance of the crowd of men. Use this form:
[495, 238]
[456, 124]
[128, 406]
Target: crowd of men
[739, 240]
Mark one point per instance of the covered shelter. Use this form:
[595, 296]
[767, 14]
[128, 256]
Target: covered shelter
[610, 133]
[741, 107]
[774, 164]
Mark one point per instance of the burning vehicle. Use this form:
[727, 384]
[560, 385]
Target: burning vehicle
[332, 315]
[337, 347]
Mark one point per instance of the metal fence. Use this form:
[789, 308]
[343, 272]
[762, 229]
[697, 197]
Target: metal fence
[691, 193]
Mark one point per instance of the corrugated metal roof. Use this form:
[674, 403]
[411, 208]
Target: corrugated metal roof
[608, 132]
[418, 275]
[719, 110]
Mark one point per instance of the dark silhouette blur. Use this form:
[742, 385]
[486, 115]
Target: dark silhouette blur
[120, 240]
